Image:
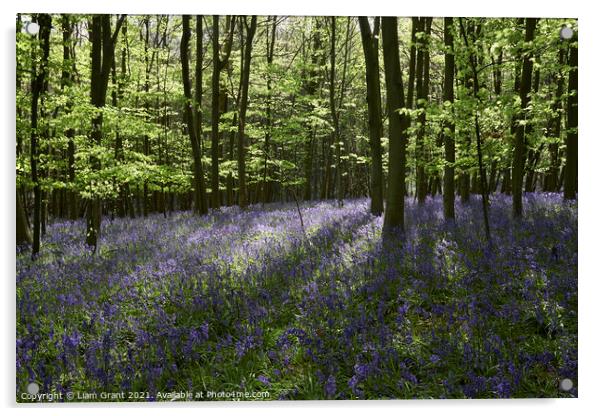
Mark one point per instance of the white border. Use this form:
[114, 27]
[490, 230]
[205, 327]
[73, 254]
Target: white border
[590, 203]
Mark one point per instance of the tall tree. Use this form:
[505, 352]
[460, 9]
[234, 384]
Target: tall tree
[554, 130]
[242, 117]
[219, 63]
[123, 204]
[518, 162]
[333, 110]
[422, 92]
[311, 84]
[39, 76]
[200, 207]
[22, 227]
[270, 43]
[398, 125]
[198, 115]
[473, 60]
[103, 41]
[66, 82]
[570, 170]
[375, 125]
[449, 125]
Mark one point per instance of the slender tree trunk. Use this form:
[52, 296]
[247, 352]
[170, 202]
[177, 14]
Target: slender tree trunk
[334, 112]
[518, 163]
[412, 70]
[551, 177]
[310, 88]
[103, 49]
[449, 125]
[398, 124]
[230, 179]
[483, 179]
[270, 42]
[198, 92]
[370, 46]
[200, 207]
[422, 91]
[533, 154]
[23, 233]
[215, 116]
[242, 117]
[38, 79]
[219, 63]
[570, 171]
[67, 81]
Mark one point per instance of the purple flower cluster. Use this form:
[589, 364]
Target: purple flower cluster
[250, 298]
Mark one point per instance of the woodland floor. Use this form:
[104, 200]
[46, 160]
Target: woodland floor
[249, 301]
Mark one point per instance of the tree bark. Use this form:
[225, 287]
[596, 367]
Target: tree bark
[38, 80]
[242, 117]
[551, 177]
[398, 124]
[482, 184]
[422, 91]
[270, 42]
[375, 126]
[103, 49]
[198, 92]
[200, 207]
[570, 171]
[334, 113]
[23, 233]
[219, 63]
[412, 69]
[449, 125]
[518, 163]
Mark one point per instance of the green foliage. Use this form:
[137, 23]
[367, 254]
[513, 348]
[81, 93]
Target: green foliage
[288, 109]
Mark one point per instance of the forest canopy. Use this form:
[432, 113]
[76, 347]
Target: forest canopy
[128, 115]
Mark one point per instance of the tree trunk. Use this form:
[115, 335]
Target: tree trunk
[242, 117]
[412, 70]
[398, 124]
[518, 162]
[23, 233]
[219, 63]
[370, 46]
[334, 113]
[422, 91]
[198, 92]
[449, 126]
[310, 87]
[551, 176]
[38, 80]
[270, 42]
[200, 207]
[570, 171]
[103, 49]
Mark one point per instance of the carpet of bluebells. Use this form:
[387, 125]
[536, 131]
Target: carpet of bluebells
[254, 301]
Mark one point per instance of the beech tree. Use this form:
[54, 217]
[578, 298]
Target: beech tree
[449, 126]
[103, 48]
[373, 99]
[200, 206]
[219, 63]
[242, 117]
[39, 75]
[398, 125]
[570, 175]
[518, 163]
